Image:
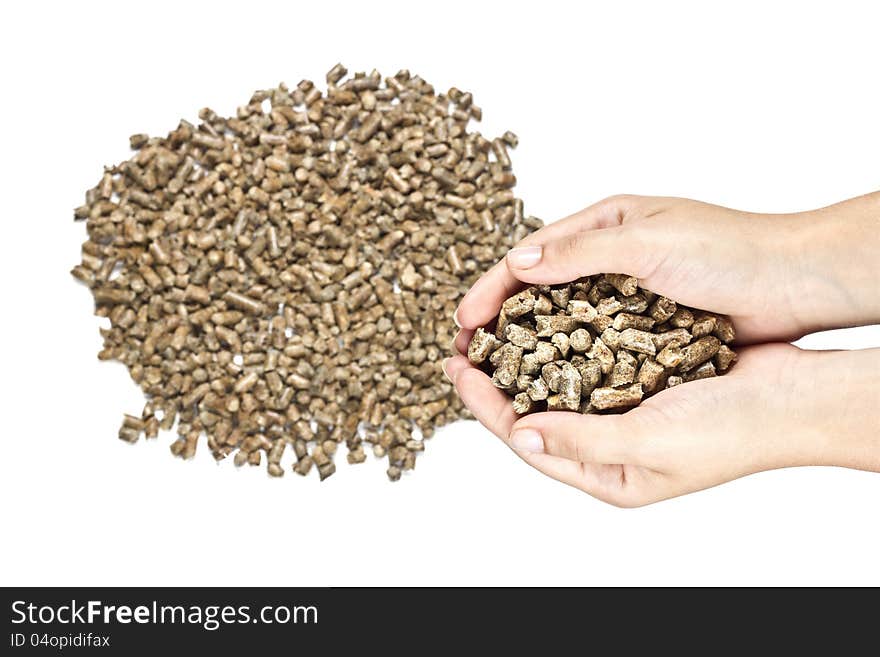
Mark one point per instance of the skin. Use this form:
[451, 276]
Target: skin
[778, 276]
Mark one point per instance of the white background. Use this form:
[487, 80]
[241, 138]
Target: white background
[760, 106]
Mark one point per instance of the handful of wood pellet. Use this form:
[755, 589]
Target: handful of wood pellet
[601, 343]
[282, 281]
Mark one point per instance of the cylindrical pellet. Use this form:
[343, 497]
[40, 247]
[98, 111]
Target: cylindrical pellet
[699, 352]
[607, 398]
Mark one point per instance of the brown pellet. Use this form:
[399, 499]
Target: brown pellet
[607, 398]
[598, 344]
[500, 150]
[507, 364]
[244, 302]
[521, 336]
[704, 371]
[569, 387]
[562, 343]
[522, 403]
[580, 340]
[636, 340]
[591, 375]
[626, 285]
[703, 325]
[336, 73]
[538, 389]
[548, 325]
[699, 352]
[682, 318]
[607, 306]
[676, 338]
[662, 309]
[602, 355]
[482, 345]
[624, 321]
[724, 330]
[724, 358]
[289, 274]
[651, 375]
[582, 310]
[519, 304]
[670, 356]
[138, 141]
[624, 370]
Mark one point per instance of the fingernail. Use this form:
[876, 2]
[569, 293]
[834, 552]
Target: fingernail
[524, 257]
[455, 318]
[443, 366]
[527, 440]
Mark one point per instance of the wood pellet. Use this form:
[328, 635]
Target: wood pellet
[599, 344]
[282, 281]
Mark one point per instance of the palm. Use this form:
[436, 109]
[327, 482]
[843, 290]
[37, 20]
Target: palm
[708, 408]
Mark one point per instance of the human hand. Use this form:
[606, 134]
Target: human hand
[779, 407]
[777, 276]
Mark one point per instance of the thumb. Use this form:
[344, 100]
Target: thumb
[606, 250]
[612, 439]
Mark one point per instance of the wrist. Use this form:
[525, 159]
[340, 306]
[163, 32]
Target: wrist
[833, 254]
[835, 406]
[854, 436]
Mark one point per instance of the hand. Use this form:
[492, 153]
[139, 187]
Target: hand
[778, 407]
[777, 276]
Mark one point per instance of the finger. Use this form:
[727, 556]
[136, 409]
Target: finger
[618, 250]
[606, 213]
[493, 409]
[611, 439]
[483, 301]
[492, 412]
[452, 366]
[584, 477]
[490, 406]
[619, 485]
[496, 413]
[462, 340]
[564, 470]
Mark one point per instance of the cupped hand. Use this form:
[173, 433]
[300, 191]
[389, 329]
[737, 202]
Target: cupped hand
[768, 412]
[767, 272]
[777, 276]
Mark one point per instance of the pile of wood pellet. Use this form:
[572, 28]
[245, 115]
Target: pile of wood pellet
[599, 344]
[287, 276]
